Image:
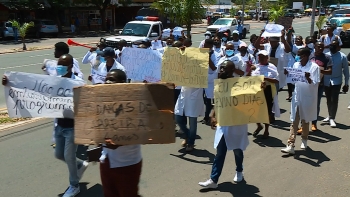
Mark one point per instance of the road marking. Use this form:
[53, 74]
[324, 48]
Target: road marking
[28, 65]
[41, 55]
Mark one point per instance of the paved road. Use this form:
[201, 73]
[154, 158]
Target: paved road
[28, 167]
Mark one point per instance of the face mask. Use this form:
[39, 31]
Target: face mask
[297, 58]
[224, 39]
[310, 45]
[229, 52]
[61, 70]
[207, 37]
[217, 43]
[333, 49]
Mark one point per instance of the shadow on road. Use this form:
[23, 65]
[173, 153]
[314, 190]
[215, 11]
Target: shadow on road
[309, 156]
[27, 41]
[94, 191]
[280, 124]
[196, 153]
[241, 189]
[322, 137]
[270, 142]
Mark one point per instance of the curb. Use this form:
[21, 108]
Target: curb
[35, 49]
[18, 124]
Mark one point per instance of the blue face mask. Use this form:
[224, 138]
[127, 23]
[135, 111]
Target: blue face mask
[297, 58]
[229, 52]
[61, 70]
[224, 39]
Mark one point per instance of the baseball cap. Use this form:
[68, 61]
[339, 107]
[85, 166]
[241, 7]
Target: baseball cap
[243, 44]
[263, 52]
[107, 52]
[207, 33]
[235, 32]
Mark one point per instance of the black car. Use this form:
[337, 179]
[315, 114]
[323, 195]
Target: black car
[289, 15]
[345, 37]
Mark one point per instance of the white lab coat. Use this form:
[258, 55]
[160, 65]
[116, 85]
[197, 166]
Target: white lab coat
[236, 137]
[212, 74]
[237, 60]
[89, 58]
[283, 59]
[190, 102]
[305, 94]
[102, 69]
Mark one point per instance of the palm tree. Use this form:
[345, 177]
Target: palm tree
[182, 12]
[22, 30]
[320, 23]
[276, 12]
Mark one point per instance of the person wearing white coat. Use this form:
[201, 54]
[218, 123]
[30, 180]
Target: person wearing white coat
[304, 105]
[227, 138]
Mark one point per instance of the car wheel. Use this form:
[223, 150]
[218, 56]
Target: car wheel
[244, 34]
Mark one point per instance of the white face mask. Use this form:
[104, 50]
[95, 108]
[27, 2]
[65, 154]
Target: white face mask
[310, 45]
[207, 37]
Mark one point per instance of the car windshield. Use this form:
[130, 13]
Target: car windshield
[340, 22]
[8, 24]
[136, 29]
[223, 22]
[48, 22]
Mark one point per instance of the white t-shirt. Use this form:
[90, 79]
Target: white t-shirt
[123, 156]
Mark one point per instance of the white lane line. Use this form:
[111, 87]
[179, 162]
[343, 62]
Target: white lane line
[28, 65]
[41, 55]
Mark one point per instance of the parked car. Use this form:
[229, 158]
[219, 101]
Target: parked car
[43, 27]
[297, 15]
[229, 23]
[6, 30]
[289, 14]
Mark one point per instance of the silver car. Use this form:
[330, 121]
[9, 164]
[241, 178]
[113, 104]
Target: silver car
[6, 29]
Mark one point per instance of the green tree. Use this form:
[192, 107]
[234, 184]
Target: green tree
[276, 12]
[22, 30]
[182, 12]
[320, 23]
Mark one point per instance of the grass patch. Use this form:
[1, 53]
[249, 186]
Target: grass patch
[4, 118]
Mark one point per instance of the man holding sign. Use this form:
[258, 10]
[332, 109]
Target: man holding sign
[303, 106]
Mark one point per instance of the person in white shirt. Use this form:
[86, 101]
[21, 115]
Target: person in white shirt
[207, 35]
[212, 74]
[118, 51]
[218, 48]
[227, 138]
[248, 59]
[271, 77]
[236, 41]
[304, 105]
[329, 37]
[251, 48]
[230, 55]
[120, 166]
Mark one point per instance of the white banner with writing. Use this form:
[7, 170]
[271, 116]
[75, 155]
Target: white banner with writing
[50, 67]
[142, 64]
[295, 75]
[35, 95]
[97, 77]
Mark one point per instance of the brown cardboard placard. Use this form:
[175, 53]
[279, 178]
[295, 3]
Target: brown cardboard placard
[286, 22]
[128, 113]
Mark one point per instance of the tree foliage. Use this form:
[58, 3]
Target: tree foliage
[22, 30]
[275, 12]
[182, 12]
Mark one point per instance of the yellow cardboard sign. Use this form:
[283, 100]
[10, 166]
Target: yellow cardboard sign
[187, 67]
[239, 85]
[243, 108]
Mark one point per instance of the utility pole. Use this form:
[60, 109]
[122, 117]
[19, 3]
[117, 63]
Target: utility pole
[313, 18]
[243, 12]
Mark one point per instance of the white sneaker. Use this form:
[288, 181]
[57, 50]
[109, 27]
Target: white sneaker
[238, 177]
[332, 123]
[349, 107]
[303, 144]
[82, 169]
[289, 149]
[72, 191]
[208, 184]
[326, 119]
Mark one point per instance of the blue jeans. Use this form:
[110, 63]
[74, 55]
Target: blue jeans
[319, 96]
[65, 150]
[219, 160]
[190, 133]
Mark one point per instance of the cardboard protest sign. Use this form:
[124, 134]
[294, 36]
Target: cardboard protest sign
[286, 22]
[242, 108]
[97, 77]
[187, 67]
[295, 75]
[142, 64]
[128, 113]
[50, 67]
[32, 95]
